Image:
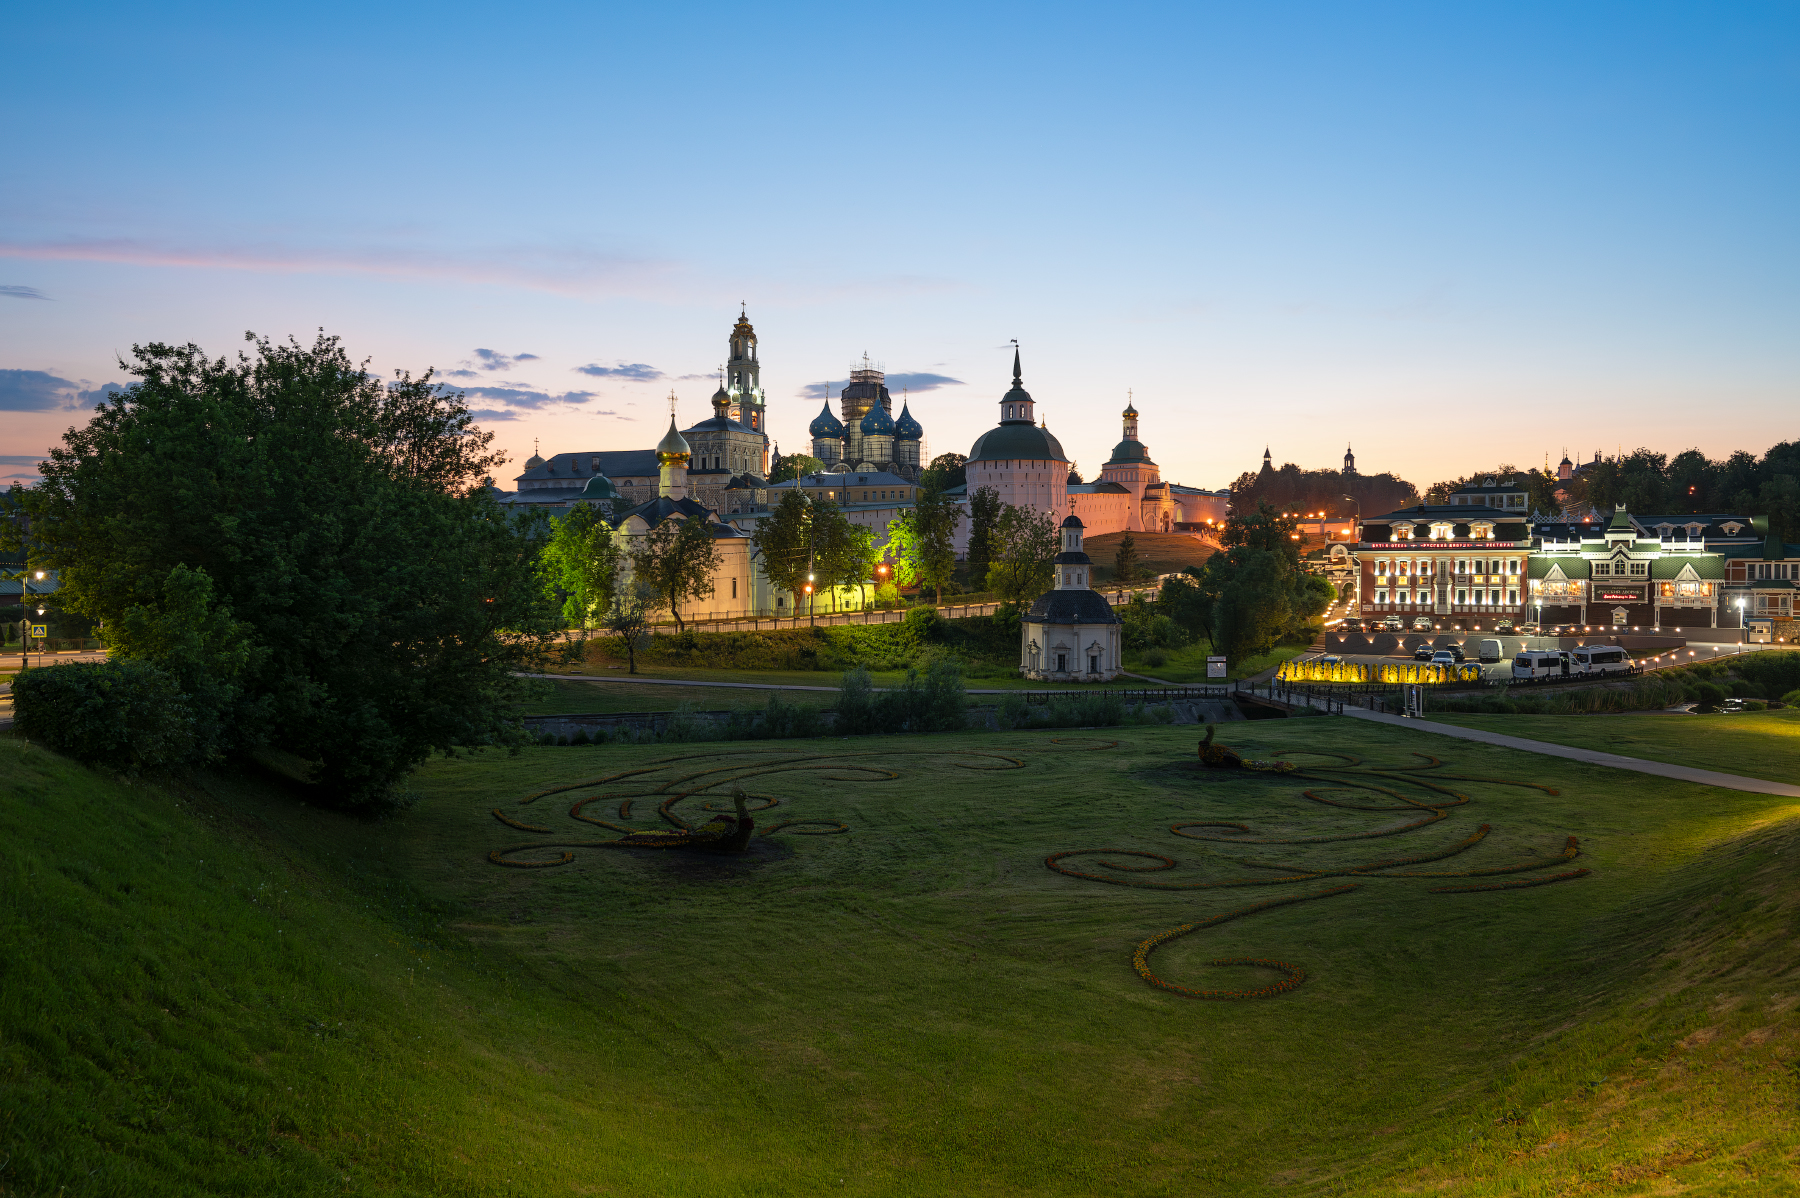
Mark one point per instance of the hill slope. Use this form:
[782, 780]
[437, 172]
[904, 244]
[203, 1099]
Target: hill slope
[212, 989]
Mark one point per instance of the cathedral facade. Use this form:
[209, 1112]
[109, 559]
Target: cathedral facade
[1025, 464]
[868, 438]
[728, 467]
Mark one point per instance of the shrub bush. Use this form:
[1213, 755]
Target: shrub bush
[923, 624]
[127, 715]
[856, 706]
[1709, 694]
[1154, 657]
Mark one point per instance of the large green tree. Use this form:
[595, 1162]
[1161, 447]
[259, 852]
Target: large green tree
[984, 517]
[923, 541]
[843, 552]
[676, 559]
[581, 565]
[783, 543]
[1025, 549]
[1252, 592]
[353, 595]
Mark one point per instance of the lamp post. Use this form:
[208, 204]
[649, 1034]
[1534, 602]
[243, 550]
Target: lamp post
[24, 630]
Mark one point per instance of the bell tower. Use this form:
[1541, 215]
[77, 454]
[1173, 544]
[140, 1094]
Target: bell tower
[743, 377]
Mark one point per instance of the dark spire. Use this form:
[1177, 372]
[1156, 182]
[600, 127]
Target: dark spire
[1017, 381]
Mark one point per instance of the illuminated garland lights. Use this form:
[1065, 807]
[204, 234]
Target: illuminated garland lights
[1341, 779]
[1318, 670]
[715, 782]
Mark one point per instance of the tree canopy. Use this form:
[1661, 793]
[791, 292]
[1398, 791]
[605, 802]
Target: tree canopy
[307, 550]
[946, 470]
[922, 540]
[783, 542]
[984, 517]
[790, 466]
[580, 565]
[1291, 489]
[1025, 549]
[676, 560]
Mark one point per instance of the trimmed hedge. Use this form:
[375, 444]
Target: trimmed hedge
[127, 715]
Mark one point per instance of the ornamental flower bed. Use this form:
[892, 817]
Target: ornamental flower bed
[1341, 775]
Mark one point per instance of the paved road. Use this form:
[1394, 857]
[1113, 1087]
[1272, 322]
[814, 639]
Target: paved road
[1661, 769]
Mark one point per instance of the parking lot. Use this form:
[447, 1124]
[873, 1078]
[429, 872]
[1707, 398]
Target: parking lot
[1406, 643]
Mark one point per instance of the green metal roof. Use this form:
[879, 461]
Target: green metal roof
[1709, 566]
[1017, 441]
[1572, 566]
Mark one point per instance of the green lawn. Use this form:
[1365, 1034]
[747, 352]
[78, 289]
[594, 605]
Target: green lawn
[214, 989]
[604, 697]
[1757, 744]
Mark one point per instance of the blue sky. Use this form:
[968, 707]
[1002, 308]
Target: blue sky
[1449, 234]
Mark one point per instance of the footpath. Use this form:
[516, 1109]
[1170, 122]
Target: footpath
[1661, 769]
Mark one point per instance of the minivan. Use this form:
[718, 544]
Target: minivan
[1487, 650]
[1600, 660]
[1540, 663]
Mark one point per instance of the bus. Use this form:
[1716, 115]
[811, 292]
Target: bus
[1541, 663]
[1600, 660]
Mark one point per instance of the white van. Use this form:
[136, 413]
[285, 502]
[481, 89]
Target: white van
[1540, 663]
[1487, 651]
[1600, 660]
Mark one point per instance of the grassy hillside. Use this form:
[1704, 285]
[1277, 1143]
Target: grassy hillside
[1157, 552]
[217, 990]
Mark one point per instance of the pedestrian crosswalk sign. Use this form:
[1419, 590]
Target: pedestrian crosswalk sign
[40, 630]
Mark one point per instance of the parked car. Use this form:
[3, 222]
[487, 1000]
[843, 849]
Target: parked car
[1422, 624]
[1350, 624]
[1393, 624]
[1424, 652]
[1504, 626]
[1487, 650]
[1455, 651]
[1444, 657]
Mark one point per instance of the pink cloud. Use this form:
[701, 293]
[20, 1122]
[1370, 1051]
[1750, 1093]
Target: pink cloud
[545, 268]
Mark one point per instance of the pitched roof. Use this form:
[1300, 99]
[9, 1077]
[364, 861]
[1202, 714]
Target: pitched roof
[614, 463]
[1071, 607]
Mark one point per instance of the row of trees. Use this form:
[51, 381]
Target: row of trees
[1651, 483]
[1291, 489]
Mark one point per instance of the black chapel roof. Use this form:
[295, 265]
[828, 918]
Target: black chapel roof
[1071, 607]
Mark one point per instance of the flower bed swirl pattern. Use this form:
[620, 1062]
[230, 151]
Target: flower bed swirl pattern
[709, 781]
[1333, 781]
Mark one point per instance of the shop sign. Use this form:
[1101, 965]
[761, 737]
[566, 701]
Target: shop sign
[1618, 596]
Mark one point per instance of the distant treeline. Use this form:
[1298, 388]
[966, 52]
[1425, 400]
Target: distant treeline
[1291, 489]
